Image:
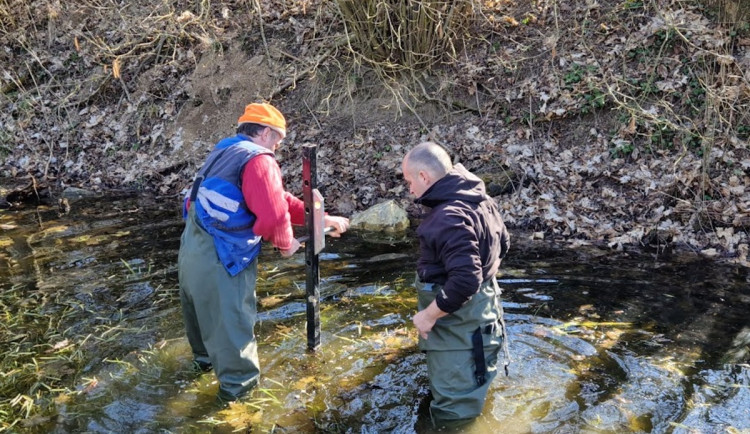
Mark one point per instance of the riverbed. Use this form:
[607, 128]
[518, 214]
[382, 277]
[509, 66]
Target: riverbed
[600, 341]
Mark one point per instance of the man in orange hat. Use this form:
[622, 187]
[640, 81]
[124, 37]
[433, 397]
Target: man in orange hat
[237, 200]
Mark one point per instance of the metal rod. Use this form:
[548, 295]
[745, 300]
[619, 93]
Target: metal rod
[306, 238]
[312, 286]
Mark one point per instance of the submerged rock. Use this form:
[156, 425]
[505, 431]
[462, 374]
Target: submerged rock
[386, 257]
[73, 193]
[384, 217]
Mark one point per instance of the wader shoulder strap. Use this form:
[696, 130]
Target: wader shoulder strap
[199, 179]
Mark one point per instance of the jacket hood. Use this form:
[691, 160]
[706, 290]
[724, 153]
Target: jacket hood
[457, 184]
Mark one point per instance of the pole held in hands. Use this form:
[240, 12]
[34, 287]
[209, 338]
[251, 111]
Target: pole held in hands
[314, 216]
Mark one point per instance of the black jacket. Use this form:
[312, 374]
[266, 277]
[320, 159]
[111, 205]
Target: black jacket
[462, 240]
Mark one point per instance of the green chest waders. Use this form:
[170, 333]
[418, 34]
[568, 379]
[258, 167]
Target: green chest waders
[219, 311]
[462, 351]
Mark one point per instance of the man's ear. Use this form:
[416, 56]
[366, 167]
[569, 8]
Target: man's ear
[425, 175]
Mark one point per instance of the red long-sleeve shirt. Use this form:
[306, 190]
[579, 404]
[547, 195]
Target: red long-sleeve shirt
[275, 209]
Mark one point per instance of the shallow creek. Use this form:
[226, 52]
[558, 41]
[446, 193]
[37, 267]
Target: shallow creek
[601, 342]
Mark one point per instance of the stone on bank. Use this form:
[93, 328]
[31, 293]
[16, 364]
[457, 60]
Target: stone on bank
[386, 216]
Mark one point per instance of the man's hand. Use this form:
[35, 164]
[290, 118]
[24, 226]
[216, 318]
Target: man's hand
[291, 250]
[425, 319]
[339, 224]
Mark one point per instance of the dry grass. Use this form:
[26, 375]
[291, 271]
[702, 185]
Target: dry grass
[732, 12]
[406, 34]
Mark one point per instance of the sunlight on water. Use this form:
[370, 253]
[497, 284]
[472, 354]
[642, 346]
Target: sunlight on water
[93, 337]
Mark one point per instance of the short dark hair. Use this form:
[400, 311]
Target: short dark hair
[250, 129]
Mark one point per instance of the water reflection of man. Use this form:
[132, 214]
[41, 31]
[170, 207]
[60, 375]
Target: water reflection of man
[237, 199]
[462, 241]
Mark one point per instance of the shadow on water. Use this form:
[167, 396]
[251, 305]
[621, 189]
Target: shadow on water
[92, 337]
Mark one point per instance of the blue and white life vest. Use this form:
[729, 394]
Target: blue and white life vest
[220, 207]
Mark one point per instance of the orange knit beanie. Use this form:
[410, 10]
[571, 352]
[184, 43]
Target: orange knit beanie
[266, 115]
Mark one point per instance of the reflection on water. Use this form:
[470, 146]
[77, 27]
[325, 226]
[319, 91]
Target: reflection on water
[92, 337]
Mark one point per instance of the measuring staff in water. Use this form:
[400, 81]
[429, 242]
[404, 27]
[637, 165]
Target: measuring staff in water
[237, 200]
[462, 241]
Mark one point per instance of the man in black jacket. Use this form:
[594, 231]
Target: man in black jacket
[460, 320]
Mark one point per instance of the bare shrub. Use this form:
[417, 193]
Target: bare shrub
[412, 34]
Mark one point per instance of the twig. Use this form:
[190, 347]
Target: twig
[90, 96]
[125, 88]
[262, 30]
[315, 118]
[309, 70]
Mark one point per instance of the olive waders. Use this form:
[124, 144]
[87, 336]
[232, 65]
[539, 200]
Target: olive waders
[462, 352]
[219, 312]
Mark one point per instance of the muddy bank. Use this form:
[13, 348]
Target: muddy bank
[621, 125]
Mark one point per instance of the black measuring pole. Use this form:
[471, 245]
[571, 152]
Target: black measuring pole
[312, 286]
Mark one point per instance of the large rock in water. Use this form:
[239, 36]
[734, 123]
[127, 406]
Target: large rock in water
[384, 217]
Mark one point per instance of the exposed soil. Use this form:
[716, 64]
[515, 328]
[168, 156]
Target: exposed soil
[615, 124]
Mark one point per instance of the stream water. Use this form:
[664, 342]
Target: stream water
[92, 339]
